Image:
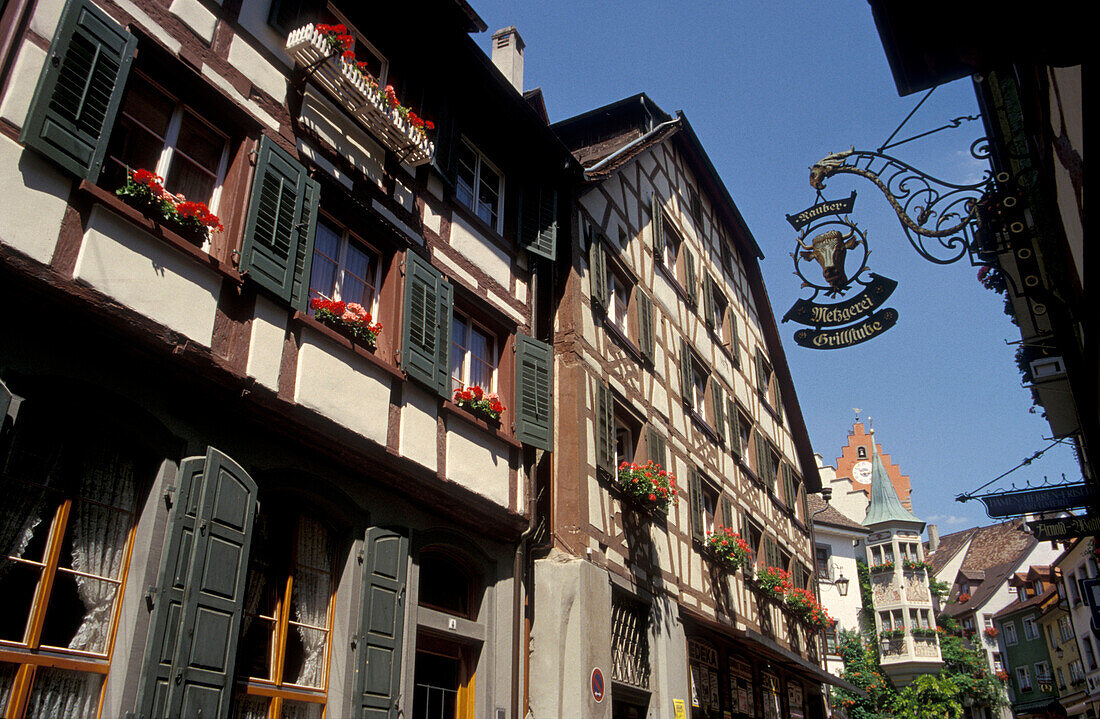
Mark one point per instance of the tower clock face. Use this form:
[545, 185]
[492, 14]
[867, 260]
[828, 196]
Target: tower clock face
[861, 471]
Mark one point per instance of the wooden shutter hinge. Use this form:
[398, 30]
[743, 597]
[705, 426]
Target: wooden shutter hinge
[354, 642]
[168, 493]
[150, 598]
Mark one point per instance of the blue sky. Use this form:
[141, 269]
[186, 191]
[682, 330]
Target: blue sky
[770, 88]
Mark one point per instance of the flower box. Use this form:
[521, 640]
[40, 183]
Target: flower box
[893, 635]
[774, 582]
[913, 565]
[727, 549]
[347, 318]
[486, 405]
[879, 568]
[963, 598]
[991, 632]
[924, 632]
[806, 607]
[359, 94]
[647, 486]
[145, 192]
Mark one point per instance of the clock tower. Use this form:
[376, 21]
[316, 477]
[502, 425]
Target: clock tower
[854, 464]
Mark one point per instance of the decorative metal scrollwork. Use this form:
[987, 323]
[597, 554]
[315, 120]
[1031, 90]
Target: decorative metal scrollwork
[940, 218]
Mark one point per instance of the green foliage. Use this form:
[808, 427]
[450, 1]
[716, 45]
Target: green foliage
[865, 585]
[965, 673]
[939, 589]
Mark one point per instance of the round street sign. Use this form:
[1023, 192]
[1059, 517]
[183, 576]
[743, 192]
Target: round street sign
[597, 685]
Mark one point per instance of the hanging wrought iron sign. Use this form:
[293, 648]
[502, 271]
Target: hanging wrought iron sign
[827, 243]
[1015, 503]
[1049, 530]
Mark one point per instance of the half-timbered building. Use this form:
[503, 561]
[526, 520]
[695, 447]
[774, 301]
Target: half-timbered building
[226, 489]
[666, 350]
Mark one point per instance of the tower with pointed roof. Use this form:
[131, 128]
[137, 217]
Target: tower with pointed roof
[906, 626]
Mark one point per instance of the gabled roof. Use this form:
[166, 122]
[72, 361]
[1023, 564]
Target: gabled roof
[830, 515]
[994, 552]
[1037, 600]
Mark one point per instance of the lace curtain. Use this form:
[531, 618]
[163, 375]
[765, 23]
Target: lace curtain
[21, 516]
[64, 693]
[99, 537]
[311, 594]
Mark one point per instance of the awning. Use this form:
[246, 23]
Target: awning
[773, 650]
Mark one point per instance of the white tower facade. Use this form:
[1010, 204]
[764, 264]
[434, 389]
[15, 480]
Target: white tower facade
[909, 645]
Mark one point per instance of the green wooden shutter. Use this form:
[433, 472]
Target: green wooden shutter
[427, 325]
[655, 447]
[80, 89]
[538, 221]
[761, 375]
[710, 311]
[191, 650]
[727, 512]
[690, 278]
[657, 225]
[734, 344]
[277, 250]
[733, 419]
[597, 272]
[788, 485]
[378, 644]
[534, 416]
[686, 379]
[696, 490]
[762, 462]
[777, 398]
[718, 405]
[647, 328]
[605, 429]
[771, 553]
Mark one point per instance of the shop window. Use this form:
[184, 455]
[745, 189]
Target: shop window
[66, 528]
[345, 268]
[770, 695]
[703, 665]
[474, 354]
[283, 659]
[443, 680]
[629, 642]
[742, 694]
[479, 185]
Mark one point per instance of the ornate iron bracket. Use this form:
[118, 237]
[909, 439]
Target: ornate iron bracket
[940, 218]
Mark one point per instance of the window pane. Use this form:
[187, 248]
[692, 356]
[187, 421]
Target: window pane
[190, 180]
[148, 105]
[360, 273]
[246, 706]
[488, 196]
[326, 253]
[17, 587]
[466, 174]
[63, 693]
[300, 710]
[458, 352]
[200, 142]
[482, 361]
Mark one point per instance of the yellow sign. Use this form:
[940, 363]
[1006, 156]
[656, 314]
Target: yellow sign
[679, 708]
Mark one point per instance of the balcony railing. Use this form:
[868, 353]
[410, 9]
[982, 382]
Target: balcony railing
[359, 95]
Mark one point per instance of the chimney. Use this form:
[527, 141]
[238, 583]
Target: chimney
[508, 55]
[933, 537]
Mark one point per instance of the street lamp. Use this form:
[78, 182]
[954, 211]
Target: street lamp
[842, 585]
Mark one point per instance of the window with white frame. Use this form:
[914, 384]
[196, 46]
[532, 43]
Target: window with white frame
[473, 354]
[1076, 672]
[1061, 678]
[824, 555]
[1042, 672]
[479, 185]
[156, 131]
[1023, 679]
[618, 300]
[1090, 656]
[1031, 629]
[1065, 628]
[987, 621]
[1010, 633]
[344, 267]
[998, 662]
[699, 377]
[672, 247]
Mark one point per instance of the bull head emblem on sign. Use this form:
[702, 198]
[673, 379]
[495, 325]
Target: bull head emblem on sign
[829, 249]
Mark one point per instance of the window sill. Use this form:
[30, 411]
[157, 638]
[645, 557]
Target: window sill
[704, 425]
[619, 335]
[493, 428]
[113, 202]
[671, 277]
[477, 223]
[304, 320]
